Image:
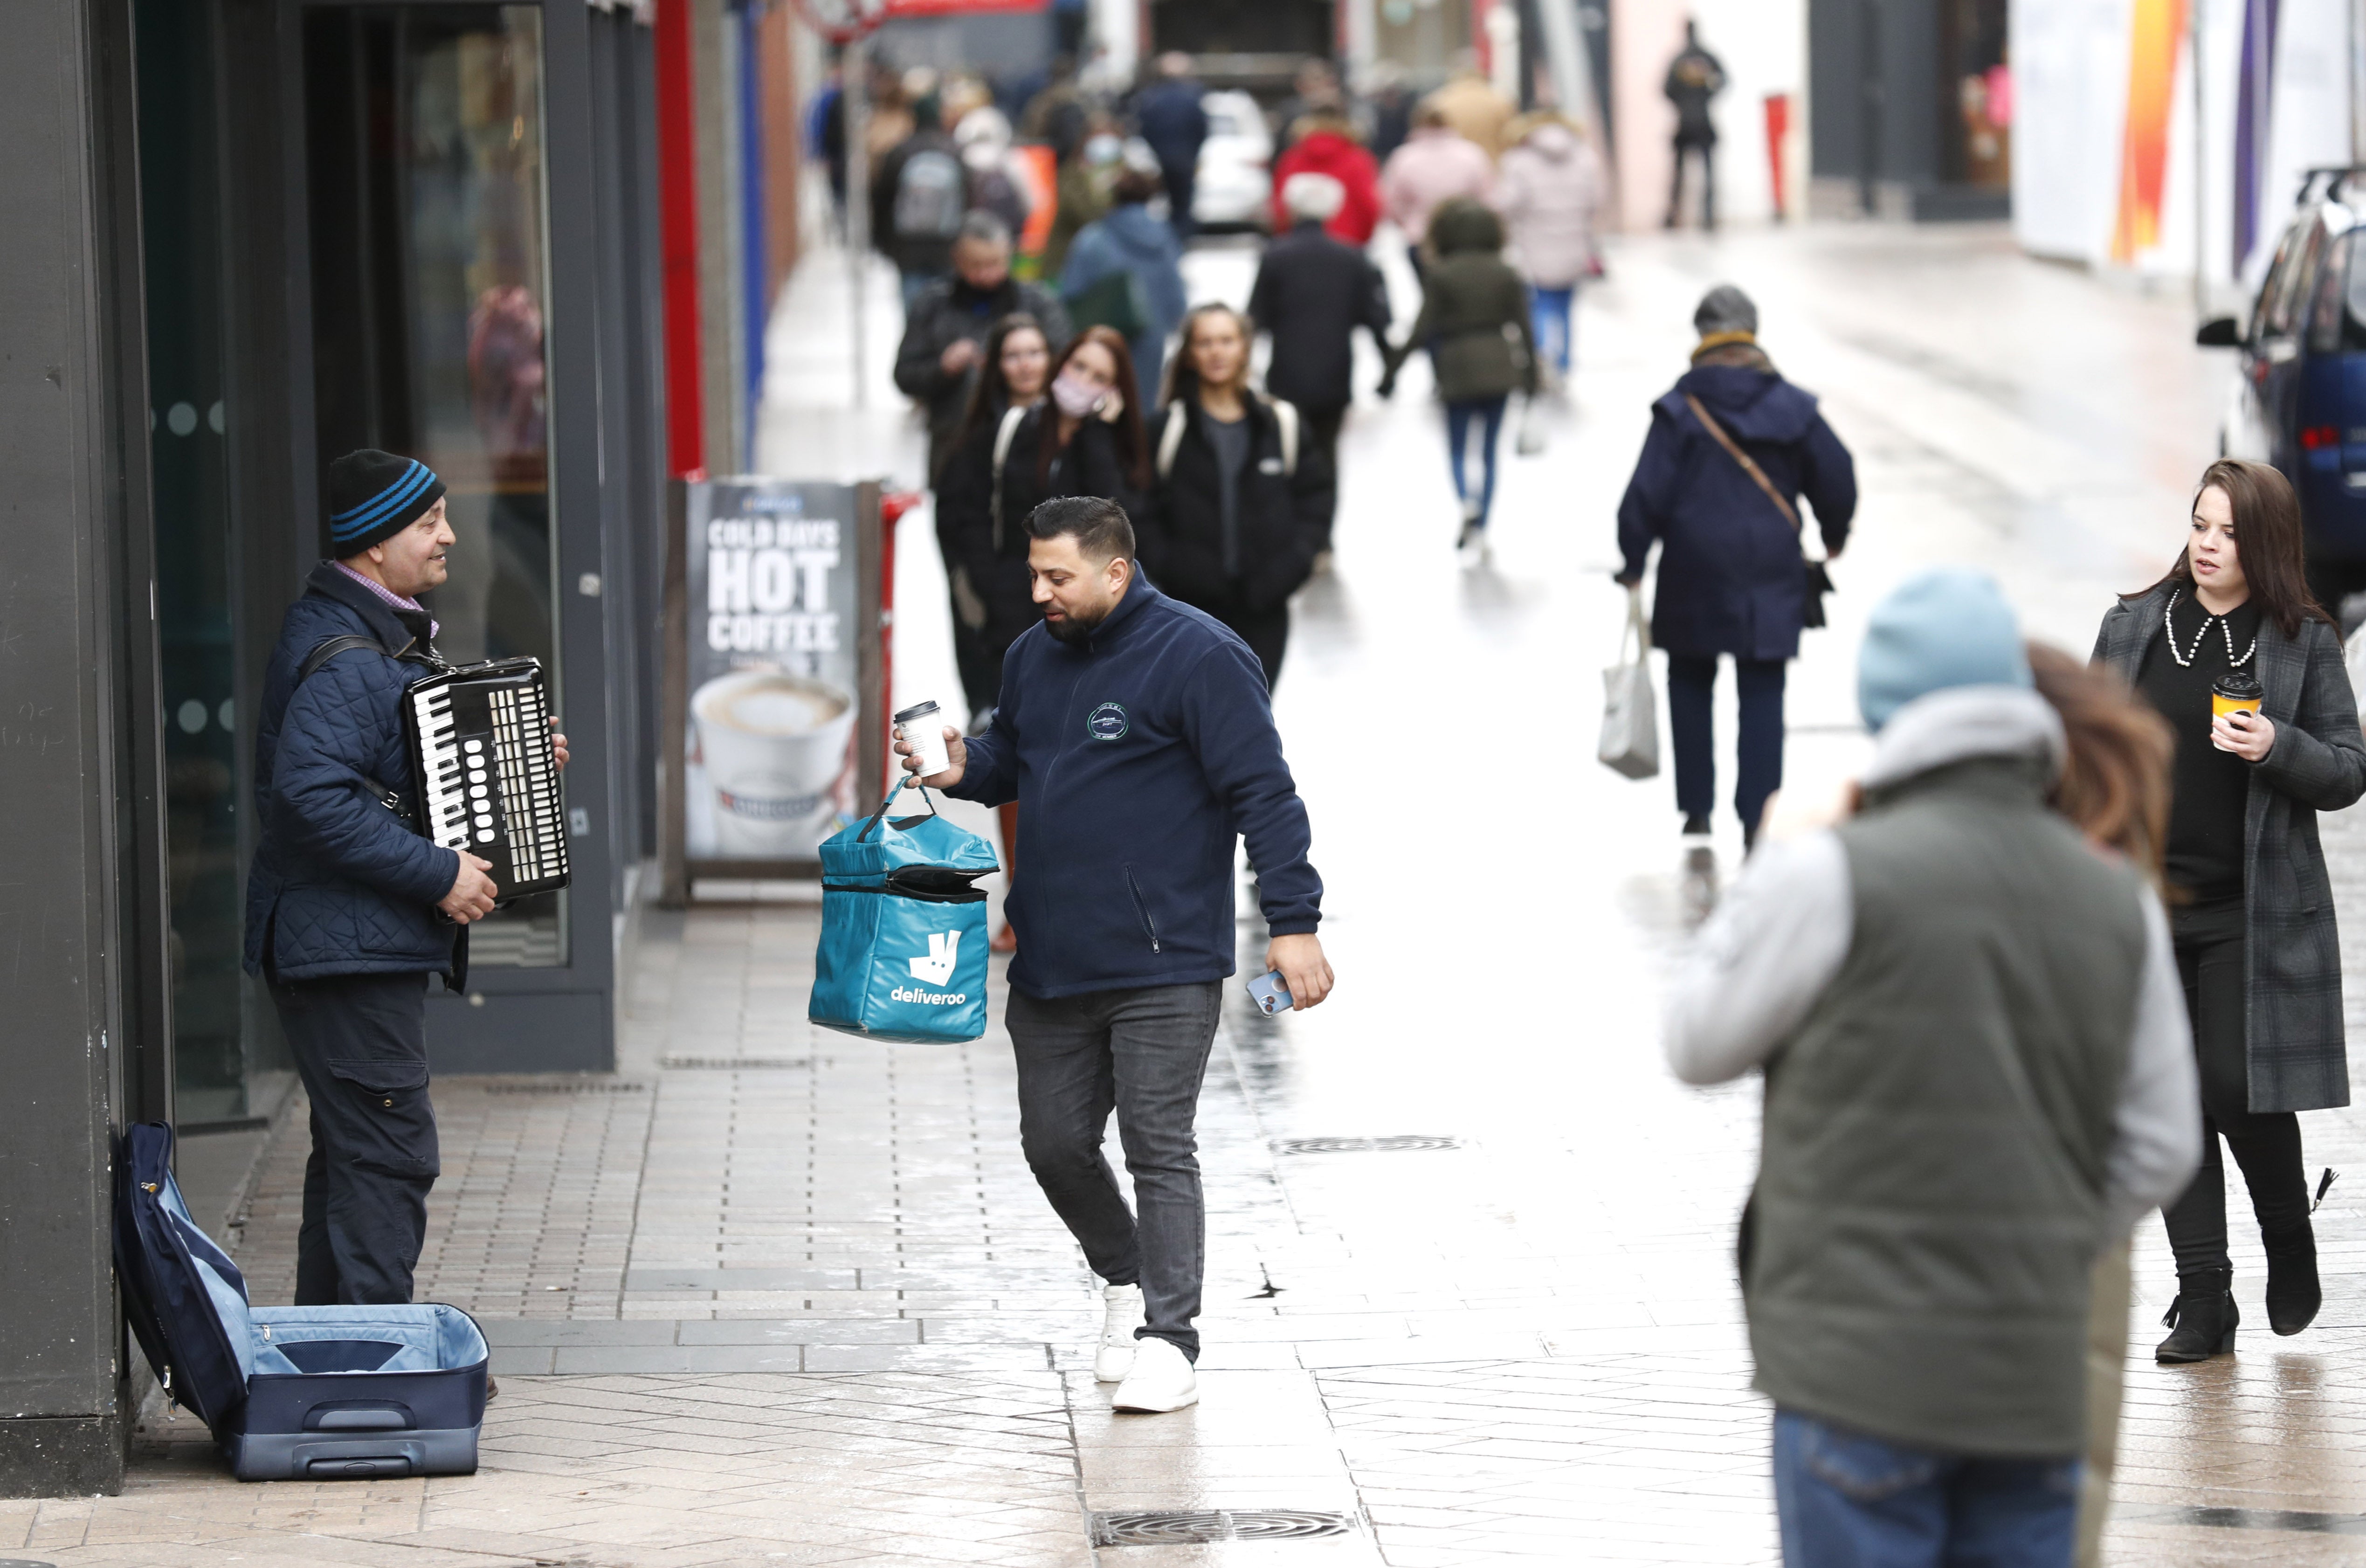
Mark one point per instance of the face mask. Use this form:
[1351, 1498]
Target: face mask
[1077, 398]
[1103, 149]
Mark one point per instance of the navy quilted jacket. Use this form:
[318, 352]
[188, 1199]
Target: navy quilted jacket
[340, 885]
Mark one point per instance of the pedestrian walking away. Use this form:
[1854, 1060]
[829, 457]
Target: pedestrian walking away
[1548, 188]
[1240, 504]
[1312, 292]
[343, 898]
[1472, 105]
[996, 182]
[1327, 145]
[1433, 167]
[918, 199]
[1732, 450]
[1085, 437]
[1977, 1078]
[1125, 271]
[1136, 735]
[1172, 120]
[2247, 667]
[1695, 79]
[944, 332]
[1474, 321]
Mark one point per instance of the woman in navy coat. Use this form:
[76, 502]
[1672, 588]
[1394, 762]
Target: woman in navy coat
[1732, 575]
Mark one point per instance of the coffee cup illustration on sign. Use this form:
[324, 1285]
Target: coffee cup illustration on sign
[775, 745]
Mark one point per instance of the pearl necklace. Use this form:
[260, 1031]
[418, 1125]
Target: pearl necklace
[2185, 660]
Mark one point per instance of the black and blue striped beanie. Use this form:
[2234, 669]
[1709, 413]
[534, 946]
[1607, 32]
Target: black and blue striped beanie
[375, 495]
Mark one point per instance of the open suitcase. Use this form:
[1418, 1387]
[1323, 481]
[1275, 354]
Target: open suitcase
[293, 1393]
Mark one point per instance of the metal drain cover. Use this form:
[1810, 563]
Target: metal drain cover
[1409, 1142]
[743, 1064]
[564, 1086]
[1195, 1528]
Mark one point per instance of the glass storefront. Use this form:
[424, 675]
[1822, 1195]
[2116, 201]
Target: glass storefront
[224, 1066]
[425, 142]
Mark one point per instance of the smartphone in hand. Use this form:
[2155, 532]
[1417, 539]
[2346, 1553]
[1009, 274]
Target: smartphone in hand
[1270, 994]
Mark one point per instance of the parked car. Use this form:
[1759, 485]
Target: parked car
[2301, 402]
[1235, 182]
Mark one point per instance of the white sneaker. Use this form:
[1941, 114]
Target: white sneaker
[1121, 1316]
[1162, 1379]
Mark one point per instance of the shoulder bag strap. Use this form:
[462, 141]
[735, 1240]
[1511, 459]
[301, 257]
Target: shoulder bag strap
[1757, 474]
[336, 644]
[1004, 434]
[1284, 414]
[386, 795]
[1170, 438]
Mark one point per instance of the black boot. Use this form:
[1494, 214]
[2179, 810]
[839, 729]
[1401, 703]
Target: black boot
[2292, 1293]
[2203, 1316]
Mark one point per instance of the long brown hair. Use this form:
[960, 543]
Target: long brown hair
[2268, 542]
[991, 395]
[1183, 376]
[2114, 785]
[1133, 448]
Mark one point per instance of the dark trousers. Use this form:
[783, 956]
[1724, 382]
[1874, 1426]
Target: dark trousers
[1142, 1052]
[2210, 956]
[360, 1046]
[1319, 432]
[1707, 151]
[1758, 765]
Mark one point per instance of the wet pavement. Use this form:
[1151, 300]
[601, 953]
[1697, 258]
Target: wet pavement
[770, 1294]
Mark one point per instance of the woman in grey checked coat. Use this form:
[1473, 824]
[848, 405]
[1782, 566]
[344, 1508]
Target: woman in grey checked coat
[2251, 906]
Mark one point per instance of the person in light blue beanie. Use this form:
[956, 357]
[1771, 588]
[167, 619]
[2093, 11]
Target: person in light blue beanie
[1949, 626]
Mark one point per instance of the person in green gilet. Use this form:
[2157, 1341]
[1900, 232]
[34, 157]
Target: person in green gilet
[1979, 1076]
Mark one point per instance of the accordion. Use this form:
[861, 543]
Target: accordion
[488, 779]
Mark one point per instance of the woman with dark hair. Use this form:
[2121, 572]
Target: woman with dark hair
[1240, 501]
[1016, 368]
[1084, 438]
[2253, 909]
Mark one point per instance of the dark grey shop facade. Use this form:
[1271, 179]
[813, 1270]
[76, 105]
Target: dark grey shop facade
[1912, 102]
[245, 236]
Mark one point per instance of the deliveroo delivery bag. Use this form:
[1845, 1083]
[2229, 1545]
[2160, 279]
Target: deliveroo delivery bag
[903, 931]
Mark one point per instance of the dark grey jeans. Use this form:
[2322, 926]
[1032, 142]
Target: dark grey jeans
[1142, 1053]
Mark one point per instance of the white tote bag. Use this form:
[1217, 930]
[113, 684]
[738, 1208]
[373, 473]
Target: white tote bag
[1630, 708]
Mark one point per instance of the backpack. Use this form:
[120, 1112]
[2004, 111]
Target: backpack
[931, 194]
[1170, 436]
[1115, 301]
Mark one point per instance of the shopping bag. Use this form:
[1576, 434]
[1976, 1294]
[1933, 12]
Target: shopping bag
[903, 931]
[1630, 708]
[1530, 440]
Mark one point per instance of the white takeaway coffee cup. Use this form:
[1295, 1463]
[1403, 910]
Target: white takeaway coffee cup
[922, 727]
[775, 745]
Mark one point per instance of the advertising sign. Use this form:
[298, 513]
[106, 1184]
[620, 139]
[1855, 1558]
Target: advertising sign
[776, 679]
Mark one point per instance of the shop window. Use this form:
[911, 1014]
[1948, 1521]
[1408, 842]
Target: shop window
[430, 273]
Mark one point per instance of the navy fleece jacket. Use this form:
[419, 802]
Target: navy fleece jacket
[1136, 760]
